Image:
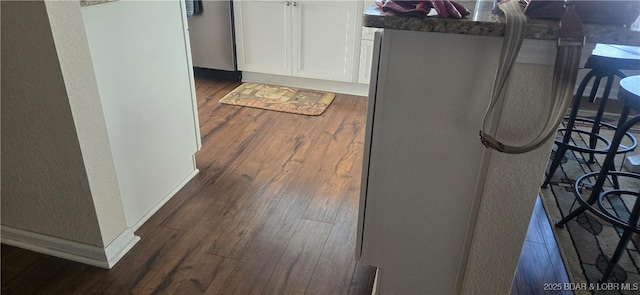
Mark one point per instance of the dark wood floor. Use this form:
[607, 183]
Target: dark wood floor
[540, 262]
[273, 210]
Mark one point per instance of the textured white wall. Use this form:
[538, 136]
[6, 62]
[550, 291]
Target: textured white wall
[58, 178]
[511, 185]
[72, 46]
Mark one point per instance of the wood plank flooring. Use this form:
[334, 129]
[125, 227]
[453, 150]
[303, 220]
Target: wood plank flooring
[272, 211]
[540, 262]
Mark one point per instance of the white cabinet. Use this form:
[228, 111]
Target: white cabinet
[366, 55]
[263, 36]
[309, 39]
[439, 211]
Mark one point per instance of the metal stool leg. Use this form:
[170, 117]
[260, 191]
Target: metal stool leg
[572, 215]
[557, 159]
[607, 165]
[623, 118]
[570, 125]
[594, 88]
[595, 129]
[622, 245]
[631, 97]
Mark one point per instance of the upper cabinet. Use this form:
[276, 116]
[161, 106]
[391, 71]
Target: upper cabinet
[302, 38]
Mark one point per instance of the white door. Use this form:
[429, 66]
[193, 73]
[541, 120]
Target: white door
[263, 36]
[324, 39]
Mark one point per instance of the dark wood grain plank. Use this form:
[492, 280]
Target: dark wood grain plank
[341, 143]
[298, 262]
[43, 273]
[337, 271]
[553, 250]
[540, 260]
[207, 276]
[224, 179]
[534, 257]
[192, 188]
[210, 90]
[15, 260]
[265, 249]
[336, 265]
[276, 199]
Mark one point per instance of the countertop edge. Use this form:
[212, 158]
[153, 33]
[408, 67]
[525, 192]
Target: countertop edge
[494, 25]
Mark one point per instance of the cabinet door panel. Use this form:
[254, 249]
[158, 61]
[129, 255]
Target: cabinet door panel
[324, 34]
[263, 36]
[366, 52]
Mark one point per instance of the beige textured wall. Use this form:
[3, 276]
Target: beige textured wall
[512, 184]
[57, 171]
[72, 45]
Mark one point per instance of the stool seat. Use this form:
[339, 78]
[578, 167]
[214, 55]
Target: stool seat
[618, 57]
[630, 91]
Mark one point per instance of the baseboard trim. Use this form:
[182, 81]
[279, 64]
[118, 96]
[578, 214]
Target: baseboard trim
[71, 250]
[164, 200]
[376, 282]
[120, 246]
[307, 83]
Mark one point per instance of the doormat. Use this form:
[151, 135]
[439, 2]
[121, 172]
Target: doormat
[587, 242]
[279, 98]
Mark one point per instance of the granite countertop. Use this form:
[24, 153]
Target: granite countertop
[483, 22]
[94, 2]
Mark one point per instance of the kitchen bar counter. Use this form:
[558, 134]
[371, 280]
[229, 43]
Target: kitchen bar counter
[440, 213]
[484, 23]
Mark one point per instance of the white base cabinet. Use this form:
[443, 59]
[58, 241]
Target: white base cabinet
[302, 38]
[440, 213]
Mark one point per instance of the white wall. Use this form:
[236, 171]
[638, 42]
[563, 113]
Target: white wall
[141, 62]
[510, 184]
[58, 179]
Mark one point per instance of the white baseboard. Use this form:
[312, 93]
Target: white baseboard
[88, 254]
[306, 83]
[120, 246]
[164, 200]
[376, 282]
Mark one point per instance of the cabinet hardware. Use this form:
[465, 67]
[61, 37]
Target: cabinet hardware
[294, 3]
[287, 3]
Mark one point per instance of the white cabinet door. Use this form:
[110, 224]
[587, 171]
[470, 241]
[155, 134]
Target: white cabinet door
[263, 36]
[366, 55]
[302, 38]
[324, 39]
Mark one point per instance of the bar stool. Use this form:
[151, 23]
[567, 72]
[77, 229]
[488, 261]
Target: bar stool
[605, 61]
[630, 95]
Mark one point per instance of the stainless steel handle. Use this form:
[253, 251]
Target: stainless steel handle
[294, 3]
[287, 3]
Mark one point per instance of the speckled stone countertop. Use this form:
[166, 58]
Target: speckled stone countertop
[94, 2]
[483, 22]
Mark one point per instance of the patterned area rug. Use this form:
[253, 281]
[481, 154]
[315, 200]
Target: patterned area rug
[587, 242]
[279, 98]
